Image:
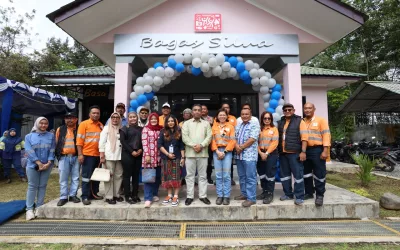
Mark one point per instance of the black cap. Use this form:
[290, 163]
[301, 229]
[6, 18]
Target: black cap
[287, 105]
[70, 114]
[120, 105]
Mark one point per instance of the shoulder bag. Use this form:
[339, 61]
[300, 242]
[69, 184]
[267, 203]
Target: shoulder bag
[101, 174]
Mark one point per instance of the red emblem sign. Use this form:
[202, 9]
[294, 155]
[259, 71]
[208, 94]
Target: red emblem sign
[207, 23]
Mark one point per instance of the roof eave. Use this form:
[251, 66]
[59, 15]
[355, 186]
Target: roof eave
[70, 9]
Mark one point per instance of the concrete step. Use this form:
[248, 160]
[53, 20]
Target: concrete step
[338, 204]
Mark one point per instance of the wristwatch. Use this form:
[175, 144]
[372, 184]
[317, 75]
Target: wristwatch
[303, 151]
[267, 153]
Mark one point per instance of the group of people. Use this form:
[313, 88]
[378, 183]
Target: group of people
[176, 151]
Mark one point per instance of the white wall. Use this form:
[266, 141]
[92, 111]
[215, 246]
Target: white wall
[319, 97]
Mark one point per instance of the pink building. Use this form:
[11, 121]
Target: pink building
[278, 35]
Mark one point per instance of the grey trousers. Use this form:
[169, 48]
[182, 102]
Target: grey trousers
[112, 187]
[199, 164]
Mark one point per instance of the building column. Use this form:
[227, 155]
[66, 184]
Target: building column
[123, 83]
[292, 86]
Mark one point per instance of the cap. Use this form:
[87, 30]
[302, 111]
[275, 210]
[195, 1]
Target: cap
[70, 114]
[166, 105]
[141, 108]
[120, 105]
[287, 105]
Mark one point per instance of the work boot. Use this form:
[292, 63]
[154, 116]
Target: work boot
[248, 203]
[319, 201]
[261, 196]
[240, 198]
[285, 198]
[269, 197]
[308, 196]
[62, 202]
[219, 201]
[226, 201]
[86, 202]
[74, 199]
[209, 180]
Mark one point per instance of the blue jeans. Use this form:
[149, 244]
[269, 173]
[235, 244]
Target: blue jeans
[314, 168]
[247, 171]
[290, 164]
[151, 189]
[89, 188]
[37, 183]
[68, 166]
[7, 165]
[223, 174]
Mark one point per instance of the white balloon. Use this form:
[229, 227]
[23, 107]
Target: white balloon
[264, 90]
[212, 55]
[281, 102]
[158, 81]
[196, 54]
[145, 74]
[236, 77]
[261, 72]
[217, 71]
[173, 78]
[147, 104]
[253, 73]
[133, 95]
[255, 81]
[176, 73]
[205, 67]
[266, 105]
[162, 85]
[263, 81]
[179, 58]
[196, 62]
[156, 88]
[256, 88]
[166, 80]
[267, 74]
[256, 66]
[226, 66]
[169, 72]
[208, 74]
[212, 62]
[147, 88]
[148, 80]
[160, 71]
[189, 69]
[271, 83]
[204, 57]
[232, 72]
[220, 58]
[266, 97]
[279, 109]
[165, 65]
[239, 58]
[187, 58]
[139, 90]
[249, 64]
[276, 116]
[140, 81]
[171, 57]
[151, 72]
[223, 75]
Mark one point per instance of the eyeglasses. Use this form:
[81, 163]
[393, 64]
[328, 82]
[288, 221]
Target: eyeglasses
[143, 113]
[267, 118]
[114, 117]
[287, 110]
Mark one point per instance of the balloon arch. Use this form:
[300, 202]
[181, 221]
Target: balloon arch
[209, 65]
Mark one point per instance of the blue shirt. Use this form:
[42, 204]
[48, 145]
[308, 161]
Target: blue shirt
[177, 144]
[243, 132]
[39, 146]
[124, 122]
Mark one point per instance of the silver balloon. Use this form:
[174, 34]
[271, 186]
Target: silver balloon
[256, 88]
[133, 95]
[267, 74]
[212, 62]
[226, 66]
[166, 80]
[196, 62]
[189, 69]
[255, 81]
[220, 58]
[147, 88]
[196, 54]
[204, 57]
[204, 67]
[187, 58]
[208, 74]
[139, 90]
[256, 66]
[149, 80]
[271, 83]
[239, 58]
[176, 73]
[140, 81]
[158, 81]
[156, 89]
[145, 74]
[266, 97]
[266, 105]
[232, 72]
[281, 102]
[217, 71]
[249, 65]
[179, 58]
[253, 73]
[276, 116]
[160, 71]
[261, 72]
[279, 109]
[264, 81]
[223, 75]
[151, 72]
[169, 72]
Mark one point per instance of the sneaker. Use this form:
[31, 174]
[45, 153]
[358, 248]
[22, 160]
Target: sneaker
[155, 198]
[167, 200]
[269, 197]
[308, 196]
[30, 215]
[260, 196]
[285, 198]
[147, 204]
[319, 201]
[299, 202]
[175, 202]
[36, 213]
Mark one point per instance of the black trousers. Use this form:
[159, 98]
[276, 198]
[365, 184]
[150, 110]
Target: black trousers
[267, 171]
[314, 171]
[132, 166]
[209, 163]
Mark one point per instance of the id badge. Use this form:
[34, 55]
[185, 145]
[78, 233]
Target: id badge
[283, 137]
[171, 149]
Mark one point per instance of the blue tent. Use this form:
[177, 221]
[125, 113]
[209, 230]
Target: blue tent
[30, 100]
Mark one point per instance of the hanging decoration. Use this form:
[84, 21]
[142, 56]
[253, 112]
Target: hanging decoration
[209, 65]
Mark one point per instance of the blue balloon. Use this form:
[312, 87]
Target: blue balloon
[131, 109]
[149, 96]
[180, 67]
[196, 71]
[273, 103]
[142, 99]
[157, 64]
[244, 75]
[247, 81]
[233, 61]
[271, 110]
[240, 67]
[226, 58]
[276, 95]
[171, 63]
[277, 87]
[134, 104]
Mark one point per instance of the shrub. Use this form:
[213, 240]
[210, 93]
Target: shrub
[364, 173]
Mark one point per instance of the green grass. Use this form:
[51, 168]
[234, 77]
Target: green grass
[374, 191]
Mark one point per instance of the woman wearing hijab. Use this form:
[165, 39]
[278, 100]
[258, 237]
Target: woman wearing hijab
[39, 146]
[110, 156]
[10, 153]
[172, 152]
[151, 158]
[131, 157]
[5, 134]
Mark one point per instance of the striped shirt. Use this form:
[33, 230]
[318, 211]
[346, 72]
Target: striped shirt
[88, 137]
[69, 146]
[318, 132]
[269, 139]
[223, 136]
[303, 134]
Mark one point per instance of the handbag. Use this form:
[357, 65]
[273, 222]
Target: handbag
[148, 175]
[101, 174]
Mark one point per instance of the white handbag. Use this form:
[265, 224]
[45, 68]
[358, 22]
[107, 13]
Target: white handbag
[101, 174]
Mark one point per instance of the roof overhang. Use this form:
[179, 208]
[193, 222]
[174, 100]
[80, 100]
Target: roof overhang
[86, 20]
[374, 97]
